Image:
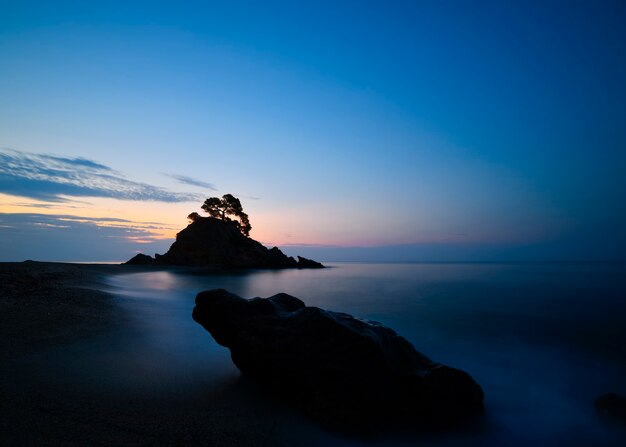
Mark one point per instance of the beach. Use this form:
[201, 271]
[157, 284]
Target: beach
[43, 304]
[46, 310]
[109, 354]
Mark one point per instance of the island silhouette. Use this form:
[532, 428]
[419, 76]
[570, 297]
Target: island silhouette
[222, 240]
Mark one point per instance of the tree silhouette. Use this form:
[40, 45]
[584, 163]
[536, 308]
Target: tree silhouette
[193, 216]
[225, 207]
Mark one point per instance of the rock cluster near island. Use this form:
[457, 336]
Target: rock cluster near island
[338, 368]
[216, 243]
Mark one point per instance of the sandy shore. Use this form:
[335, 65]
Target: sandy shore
[45, 309]
[43, 304]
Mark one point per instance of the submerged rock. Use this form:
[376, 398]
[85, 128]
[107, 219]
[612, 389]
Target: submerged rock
[338, 368]
[612, 407]
[216, 243]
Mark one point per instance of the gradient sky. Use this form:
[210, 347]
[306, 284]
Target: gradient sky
[394, 131]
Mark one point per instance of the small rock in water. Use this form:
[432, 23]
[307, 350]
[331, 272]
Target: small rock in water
[141, 259]
[612, 407]
[304, 263]
[338, 368]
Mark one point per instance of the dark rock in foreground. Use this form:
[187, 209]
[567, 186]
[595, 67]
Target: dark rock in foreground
[612, 407]
[216, 243]
[338, 368]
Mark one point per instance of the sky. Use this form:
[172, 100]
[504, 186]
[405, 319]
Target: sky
[351, 131]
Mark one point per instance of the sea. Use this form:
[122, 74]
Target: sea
[542, 339]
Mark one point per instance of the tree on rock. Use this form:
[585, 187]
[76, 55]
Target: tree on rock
[226, 207]
[193, 216]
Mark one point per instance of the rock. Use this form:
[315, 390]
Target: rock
[141, 259]
[612, 407]
[340, 369]
[216, 243]
[209, 241]
[304, 263]
[278, 258]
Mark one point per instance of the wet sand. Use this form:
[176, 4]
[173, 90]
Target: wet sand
[43, 304]
[46, 310]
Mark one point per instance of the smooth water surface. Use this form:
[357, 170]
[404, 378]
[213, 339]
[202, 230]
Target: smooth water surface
[542, 339]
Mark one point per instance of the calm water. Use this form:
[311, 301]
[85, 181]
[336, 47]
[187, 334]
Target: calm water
[542, 339]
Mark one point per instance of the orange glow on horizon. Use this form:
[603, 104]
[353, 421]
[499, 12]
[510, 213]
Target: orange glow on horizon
[148, 217]
[311, 225]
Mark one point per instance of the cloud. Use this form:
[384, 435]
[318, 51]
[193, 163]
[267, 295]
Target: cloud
[79, 161]
[71, 238]
[55, 219]
[48, 177]
[191, 181]
[48, 206]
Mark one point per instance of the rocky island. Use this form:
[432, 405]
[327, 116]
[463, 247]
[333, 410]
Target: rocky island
[222, 242]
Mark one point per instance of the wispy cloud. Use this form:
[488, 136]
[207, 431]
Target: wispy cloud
[250, 197]
[63, 237]
[48, 177]
[151, 230]
[48, 206]
[191, 181]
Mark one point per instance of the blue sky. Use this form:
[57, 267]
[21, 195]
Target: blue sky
[428, 130]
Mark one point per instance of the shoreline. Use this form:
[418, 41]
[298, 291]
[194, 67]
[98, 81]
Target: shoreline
[43, 304]
[87, 361]
[46, 303]
[54, 317]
